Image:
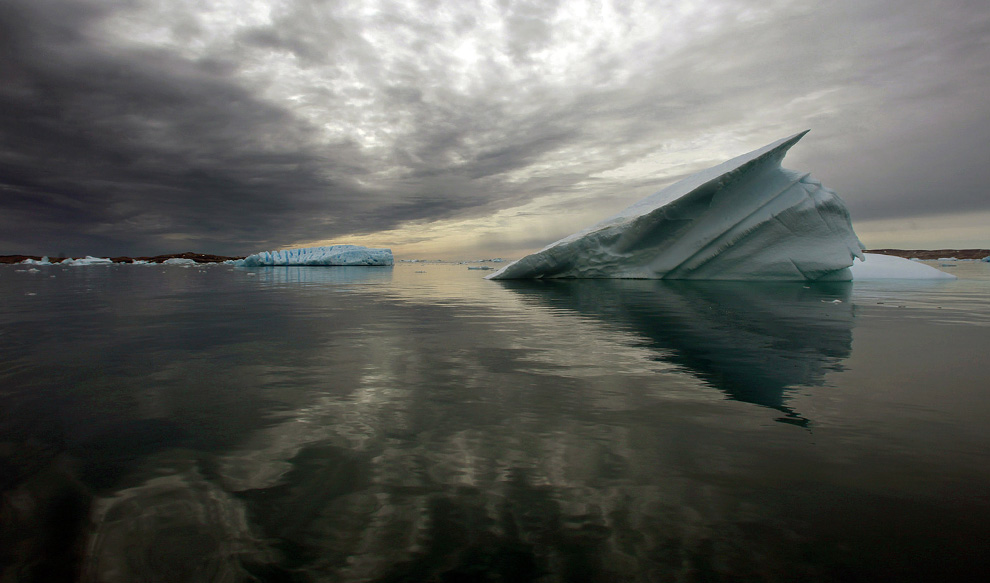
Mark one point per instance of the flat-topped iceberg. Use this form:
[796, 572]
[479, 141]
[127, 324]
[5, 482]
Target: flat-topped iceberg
[339, 255]
[87, 260]
[745, 219]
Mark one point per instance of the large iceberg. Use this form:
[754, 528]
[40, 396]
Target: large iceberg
[745, 219]
[341, 255]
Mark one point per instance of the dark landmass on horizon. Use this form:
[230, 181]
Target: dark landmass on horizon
[924, 254]
[929, 254]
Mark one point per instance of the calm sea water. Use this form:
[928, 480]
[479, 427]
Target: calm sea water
[419, 423]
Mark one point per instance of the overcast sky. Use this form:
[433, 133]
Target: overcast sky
[472, 128]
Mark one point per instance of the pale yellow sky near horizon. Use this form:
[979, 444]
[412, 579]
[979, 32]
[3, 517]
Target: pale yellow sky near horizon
[948, 231]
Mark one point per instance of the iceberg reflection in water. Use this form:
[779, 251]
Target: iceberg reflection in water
[751, 340]
[419, 423]
[321, 275]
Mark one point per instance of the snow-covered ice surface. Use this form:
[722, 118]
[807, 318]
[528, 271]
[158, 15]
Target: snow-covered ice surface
[340, 255]
[179, 261]
[877, 266]
[745, 219]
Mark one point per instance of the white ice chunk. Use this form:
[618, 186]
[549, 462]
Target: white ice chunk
[88, 260]
[745, 219]
[179, 261]
[877, 266]
[339, 255]
[43, 261]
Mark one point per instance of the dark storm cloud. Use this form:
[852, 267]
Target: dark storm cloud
[131, 149]
[321, 120]
[111, 151]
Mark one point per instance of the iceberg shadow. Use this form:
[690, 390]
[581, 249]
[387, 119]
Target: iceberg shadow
[753, 341]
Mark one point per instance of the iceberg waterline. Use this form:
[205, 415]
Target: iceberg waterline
[745, 219]
[332, 255]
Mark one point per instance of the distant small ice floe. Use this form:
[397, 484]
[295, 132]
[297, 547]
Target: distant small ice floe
[180, 261]
[332, 255]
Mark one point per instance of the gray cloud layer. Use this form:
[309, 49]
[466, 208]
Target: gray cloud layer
[144, 126]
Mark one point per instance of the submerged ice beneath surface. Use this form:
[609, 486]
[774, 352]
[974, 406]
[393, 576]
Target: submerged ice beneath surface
[745, 219]
[334, 255]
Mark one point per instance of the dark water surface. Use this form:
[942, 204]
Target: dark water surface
[419, 423]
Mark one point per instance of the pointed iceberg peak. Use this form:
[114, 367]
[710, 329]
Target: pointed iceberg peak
[744, 219]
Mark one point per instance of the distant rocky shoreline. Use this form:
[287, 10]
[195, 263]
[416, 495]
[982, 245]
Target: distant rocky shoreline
[197, 257]
[929, 254]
